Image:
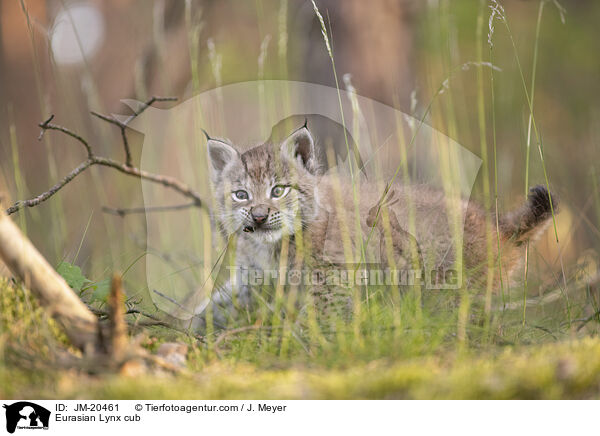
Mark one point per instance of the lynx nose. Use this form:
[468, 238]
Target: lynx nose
[259, 214]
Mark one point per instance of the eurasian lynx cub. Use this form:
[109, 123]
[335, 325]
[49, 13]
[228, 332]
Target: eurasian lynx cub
[279, 192]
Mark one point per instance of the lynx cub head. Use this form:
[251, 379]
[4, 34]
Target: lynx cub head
[266, 192]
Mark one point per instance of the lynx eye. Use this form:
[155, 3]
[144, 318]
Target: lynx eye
[240, 195]
[279, 191]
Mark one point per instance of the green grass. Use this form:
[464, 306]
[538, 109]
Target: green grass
[536, 340]
[565, 369]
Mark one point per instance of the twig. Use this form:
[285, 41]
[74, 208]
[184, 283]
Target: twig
[544, 329]
[46, 195]
[547, 298]
[155, 321]
[149, 103]
[166, 181]
[108, 119]
[588, 319]
[122, 212]
[146, 314]
[175, 302]
[231, 332]
[154, 324]
[104, 313]
[118, 329]
[123, 125]
[47, 126]
[92, 159]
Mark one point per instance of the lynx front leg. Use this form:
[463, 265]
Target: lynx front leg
[333, 304]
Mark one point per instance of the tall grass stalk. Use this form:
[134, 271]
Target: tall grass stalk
[529, 124]
[282, 50]
[19, 179]
[328, 46]
[451, 183]
[351, 162]
[483, 147]
[266, 114]
[594, 177]
[87, 226]
[501, 15]
[495, 152]
[194, 27]
[533, 76]
[282, 41]
[216, 63]
[56, 207]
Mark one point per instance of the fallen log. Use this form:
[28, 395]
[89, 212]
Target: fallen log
[28, 265]
[107, 346]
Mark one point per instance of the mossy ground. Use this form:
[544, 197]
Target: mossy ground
[31, 342]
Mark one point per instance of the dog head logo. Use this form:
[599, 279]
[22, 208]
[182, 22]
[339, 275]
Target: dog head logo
[26, 415]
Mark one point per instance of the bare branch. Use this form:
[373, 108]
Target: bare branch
[125, 168]
[134, 210]
[594, 316]
[123, 125]
[175, 302]
[167, 181]
[46, 195]
[47, 126]
[146, 314]
[155, 321]
[43, 126]
[149, 103]
[128, 159]
[108, 119]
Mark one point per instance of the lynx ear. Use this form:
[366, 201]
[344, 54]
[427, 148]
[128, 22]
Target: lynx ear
[220, 153]
[300, 145]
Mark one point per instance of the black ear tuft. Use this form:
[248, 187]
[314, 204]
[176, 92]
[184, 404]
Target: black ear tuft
[208, 138]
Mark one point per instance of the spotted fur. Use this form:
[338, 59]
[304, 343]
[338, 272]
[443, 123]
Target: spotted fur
[314, 209]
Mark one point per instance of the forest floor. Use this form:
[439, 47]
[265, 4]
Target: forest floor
[31, 345]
